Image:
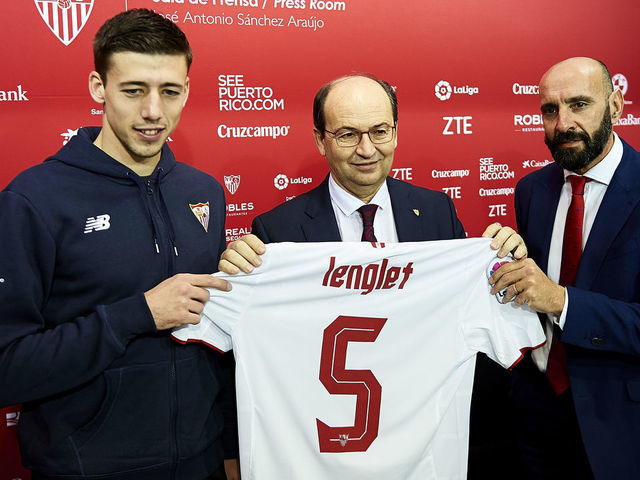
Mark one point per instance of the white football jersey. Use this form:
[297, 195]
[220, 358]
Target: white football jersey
[356, 360]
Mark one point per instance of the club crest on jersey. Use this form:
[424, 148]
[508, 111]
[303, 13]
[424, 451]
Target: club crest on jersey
[65, 18]
[343, 438]
[232, 182]
[201, 211]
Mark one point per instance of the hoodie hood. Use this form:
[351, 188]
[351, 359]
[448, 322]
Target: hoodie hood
[74, 153]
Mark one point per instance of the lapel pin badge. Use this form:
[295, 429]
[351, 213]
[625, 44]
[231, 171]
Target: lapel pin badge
[417, 212]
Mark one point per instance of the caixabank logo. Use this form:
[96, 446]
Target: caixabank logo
[65, 18]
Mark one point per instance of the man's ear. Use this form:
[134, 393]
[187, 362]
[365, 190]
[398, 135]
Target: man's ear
[96, 87]
[319, 137]
[616, 105]
[395, 140]
[187, 84]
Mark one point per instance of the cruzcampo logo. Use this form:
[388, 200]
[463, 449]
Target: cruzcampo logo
[201, 211]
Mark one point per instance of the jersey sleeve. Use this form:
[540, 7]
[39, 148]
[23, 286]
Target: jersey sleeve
[222, 313]
[502, 331]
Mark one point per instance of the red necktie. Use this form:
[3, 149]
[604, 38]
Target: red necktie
[557, 372]
[368, 213]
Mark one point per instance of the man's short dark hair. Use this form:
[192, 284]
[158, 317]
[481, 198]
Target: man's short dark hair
[319, 120]
[140, 31]
[606, 79]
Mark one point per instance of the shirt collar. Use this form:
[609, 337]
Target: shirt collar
[603, 171]
[348, 203]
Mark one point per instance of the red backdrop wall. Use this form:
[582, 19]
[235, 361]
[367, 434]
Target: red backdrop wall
[464, 71]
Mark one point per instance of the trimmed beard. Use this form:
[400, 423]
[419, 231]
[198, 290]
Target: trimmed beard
[574, 159]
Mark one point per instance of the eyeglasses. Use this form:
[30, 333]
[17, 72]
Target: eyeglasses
[349, 137]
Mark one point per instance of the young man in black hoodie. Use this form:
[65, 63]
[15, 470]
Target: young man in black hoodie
[93, 244]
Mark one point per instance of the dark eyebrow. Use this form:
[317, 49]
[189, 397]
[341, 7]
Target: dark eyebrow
[579, 98]
[144, 84]
[546, 106]
[568, 101]
[353, 128]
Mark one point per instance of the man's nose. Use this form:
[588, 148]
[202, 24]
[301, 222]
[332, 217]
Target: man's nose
[564, 120]
[152, 107]
[366, 148]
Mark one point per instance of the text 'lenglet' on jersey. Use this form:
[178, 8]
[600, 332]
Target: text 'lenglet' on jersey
[374, 276]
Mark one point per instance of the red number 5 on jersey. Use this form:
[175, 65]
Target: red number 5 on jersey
[340, 381]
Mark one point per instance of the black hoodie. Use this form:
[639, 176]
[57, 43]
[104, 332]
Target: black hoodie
[103, 392]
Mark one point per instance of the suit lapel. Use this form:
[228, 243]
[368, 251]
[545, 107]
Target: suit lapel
[408, 226]
[622, 196]
[321, 225]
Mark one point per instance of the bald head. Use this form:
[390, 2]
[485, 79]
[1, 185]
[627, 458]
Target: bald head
[583, 66]
[319, 115]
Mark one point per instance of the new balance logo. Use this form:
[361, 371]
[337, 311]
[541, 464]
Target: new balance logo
[94, 224]
[12, 419]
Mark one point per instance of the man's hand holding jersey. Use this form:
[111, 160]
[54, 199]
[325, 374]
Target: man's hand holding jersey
[180, 299]
[526, 283]
[506, 241]
[242, 254]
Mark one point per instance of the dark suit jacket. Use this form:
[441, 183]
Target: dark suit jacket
[310, 218]
[602, 331]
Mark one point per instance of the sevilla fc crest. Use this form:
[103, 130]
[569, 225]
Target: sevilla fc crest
[201, 211]
[65, 18]
[232, 182]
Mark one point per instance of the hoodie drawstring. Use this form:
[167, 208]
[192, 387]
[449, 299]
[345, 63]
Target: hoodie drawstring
[165, 213]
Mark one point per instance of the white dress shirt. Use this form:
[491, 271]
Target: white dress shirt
[600, 176]
[345, 206]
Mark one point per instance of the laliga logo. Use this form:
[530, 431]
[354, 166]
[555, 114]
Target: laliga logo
[281, 182]
[443, 90]
[65, 18]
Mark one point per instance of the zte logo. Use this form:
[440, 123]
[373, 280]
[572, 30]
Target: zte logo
[403, 173]
[453, 192]
[457, 125]
[94, 224]
[499, 210]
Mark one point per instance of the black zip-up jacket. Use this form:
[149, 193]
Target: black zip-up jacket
[104, 394]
